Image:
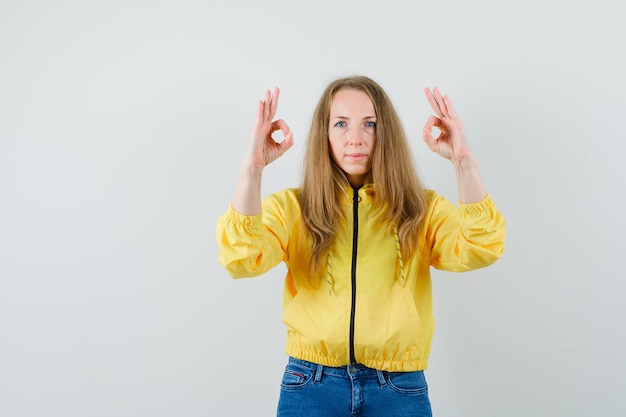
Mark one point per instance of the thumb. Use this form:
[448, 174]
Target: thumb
[287, 141]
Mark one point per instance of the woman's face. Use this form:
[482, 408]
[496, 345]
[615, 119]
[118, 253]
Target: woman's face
[352, 134]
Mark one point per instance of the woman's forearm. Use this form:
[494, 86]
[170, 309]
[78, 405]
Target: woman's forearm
[470, 183]
[247, 199]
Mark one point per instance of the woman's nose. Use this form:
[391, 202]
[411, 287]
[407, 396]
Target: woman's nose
[355, 135]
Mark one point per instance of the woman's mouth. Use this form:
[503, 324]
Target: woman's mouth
[356, 156]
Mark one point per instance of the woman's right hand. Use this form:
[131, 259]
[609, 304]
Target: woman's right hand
[262, 148]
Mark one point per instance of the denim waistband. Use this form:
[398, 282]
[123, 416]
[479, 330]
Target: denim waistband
[348, 371]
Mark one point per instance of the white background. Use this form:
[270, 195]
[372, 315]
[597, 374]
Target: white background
[122, 125]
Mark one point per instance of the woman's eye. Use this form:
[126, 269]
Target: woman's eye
[340, 124]
[370, 125]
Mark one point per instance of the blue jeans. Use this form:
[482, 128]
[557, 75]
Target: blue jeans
[312, 390]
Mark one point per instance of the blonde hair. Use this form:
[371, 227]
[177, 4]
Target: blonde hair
[399, 194]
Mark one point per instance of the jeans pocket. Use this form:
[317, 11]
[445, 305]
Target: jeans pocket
[296, 377]
[411, 383]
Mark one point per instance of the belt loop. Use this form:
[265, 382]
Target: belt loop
[381, 378]
[318, 373]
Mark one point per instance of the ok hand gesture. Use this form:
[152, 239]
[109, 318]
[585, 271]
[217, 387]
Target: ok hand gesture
[262, 148]
[452, 140]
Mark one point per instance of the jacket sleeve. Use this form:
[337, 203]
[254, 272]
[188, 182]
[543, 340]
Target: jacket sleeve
[464, 238]
[250, 245]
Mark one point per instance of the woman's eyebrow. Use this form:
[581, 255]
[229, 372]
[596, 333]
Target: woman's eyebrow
[346, 117]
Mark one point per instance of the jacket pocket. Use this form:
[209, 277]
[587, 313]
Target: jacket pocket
[388, 325]
[319, 321]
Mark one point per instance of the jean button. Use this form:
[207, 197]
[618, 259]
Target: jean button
[352, 369]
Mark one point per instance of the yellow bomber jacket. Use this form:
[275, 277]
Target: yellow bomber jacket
[370, 306]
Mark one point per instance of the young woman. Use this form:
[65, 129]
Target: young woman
[358, 238]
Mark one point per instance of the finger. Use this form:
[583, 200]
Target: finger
[274, 102]
[428, 129]
[441, 102]
[433, 102]
[267, 99]
[280, 125]
[260, 110]
[429, 140]
[430, 122]
[287, 141]
[450, 107]
[434, 121]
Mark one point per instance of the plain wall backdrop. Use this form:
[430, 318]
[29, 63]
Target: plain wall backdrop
[122, 126]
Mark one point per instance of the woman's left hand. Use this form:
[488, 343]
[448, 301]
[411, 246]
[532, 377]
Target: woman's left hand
[452, 140]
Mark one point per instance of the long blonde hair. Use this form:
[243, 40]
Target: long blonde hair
[399, 194]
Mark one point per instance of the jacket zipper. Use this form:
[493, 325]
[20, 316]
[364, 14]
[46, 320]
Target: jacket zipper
[355, 236]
